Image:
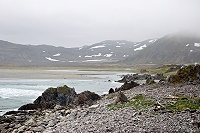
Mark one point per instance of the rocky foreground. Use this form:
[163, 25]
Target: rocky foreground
[161, 107]
[100, 118]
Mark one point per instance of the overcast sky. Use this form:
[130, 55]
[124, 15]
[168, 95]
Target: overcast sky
[71, 23]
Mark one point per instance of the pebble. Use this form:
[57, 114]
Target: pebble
[94, 106]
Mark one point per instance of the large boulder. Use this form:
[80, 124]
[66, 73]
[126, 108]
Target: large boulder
[121, 98]
[51, 97]
[127, 86]
[63, 96]
[111, 90]
[30, 106]
[86, 97]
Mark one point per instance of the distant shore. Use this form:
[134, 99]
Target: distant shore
[47, 73]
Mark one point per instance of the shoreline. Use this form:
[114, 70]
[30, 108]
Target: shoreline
[50, 73]
[65, 76]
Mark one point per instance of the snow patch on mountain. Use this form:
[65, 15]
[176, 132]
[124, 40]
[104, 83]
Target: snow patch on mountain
[152, 41]
[99, 54]
[141, 47]
[100, 46]
[50, 59]
[94, 60]
[125, 55]
[197, 44]
[58, 54]
[72, 61]
[90, 56]
[120, 43]
[108, 55]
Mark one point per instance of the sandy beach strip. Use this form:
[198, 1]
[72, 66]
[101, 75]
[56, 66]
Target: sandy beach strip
[48, 73]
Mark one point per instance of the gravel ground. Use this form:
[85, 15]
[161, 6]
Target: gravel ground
[99, 118]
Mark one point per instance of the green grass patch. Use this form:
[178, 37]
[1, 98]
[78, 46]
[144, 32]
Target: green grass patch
[162, 69]
[185, 102]
[139, 102]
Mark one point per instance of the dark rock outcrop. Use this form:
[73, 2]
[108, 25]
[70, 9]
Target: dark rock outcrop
[30, 106]
[51, 97]
[86, 97]
[187, 74]
[111, 91]
[133, 77]
[127, 86]
[121, 98]
[63, 96]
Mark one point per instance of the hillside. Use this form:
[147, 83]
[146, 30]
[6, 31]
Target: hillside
[44, 55]
[170, 49]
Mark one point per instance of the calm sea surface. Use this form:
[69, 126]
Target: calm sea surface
[17, 92]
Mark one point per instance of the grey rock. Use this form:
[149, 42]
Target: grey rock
[121, 98]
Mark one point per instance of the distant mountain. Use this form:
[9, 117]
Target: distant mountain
[111, 51]
[176, 48]
[44, 55]
[170, 49]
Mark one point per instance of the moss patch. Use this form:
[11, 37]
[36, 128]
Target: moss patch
[163, 69]
[184, 102]
[52, 90]
[63, 89]
[139, 102]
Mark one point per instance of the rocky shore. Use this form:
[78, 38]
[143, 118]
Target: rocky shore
[100, 118]
[160, 107]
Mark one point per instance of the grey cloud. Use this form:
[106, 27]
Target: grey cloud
[76, 22]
